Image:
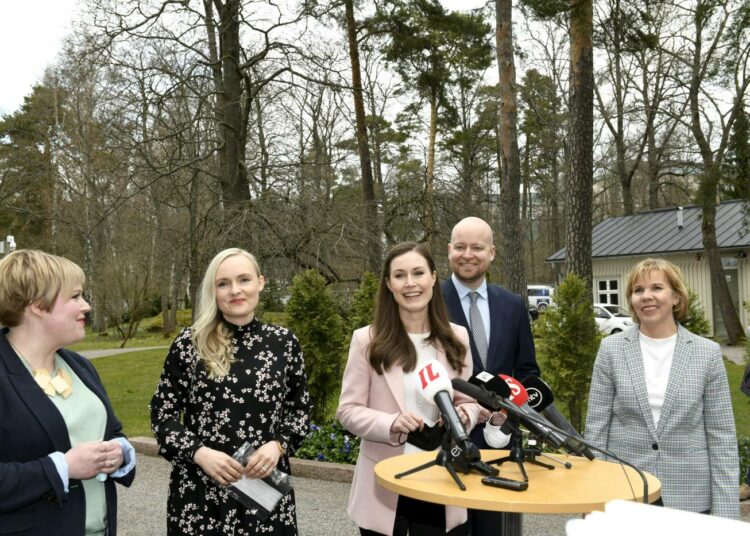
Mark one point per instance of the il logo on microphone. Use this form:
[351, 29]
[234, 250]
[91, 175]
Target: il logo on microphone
[427, 375]
[456, 451]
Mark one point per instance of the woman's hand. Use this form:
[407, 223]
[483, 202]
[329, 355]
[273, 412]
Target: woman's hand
[464, 416]
[263, 461]
[407, 422]
[114, 456]
[221, 467]
[86, 460]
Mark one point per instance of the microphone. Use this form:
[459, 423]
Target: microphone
[434, 385]
[541, 399]
[519, 396]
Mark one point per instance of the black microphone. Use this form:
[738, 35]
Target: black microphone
[493, 402]
[541, 399]
[434, 385]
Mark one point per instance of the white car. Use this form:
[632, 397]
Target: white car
[611, 318]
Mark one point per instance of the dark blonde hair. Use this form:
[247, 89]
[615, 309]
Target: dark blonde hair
[31, 276]
[674, 278]
[390, 343]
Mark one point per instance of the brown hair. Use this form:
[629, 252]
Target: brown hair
[31, 276]
[390, 343]
[674, 278]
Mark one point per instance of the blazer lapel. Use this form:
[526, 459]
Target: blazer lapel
[394, 378]
[680, 361]
[31, 394]
[634, 364]
[496, 322]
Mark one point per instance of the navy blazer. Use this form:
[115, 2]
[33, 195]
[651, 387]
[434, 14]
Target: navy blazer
[511, 348]
[32, 499]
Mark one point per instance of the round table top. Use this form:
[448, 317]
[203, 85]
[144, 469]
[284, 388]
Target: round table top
[586, 487]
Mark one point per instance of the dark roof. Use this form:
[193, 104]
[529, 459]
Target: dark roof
[656, 231]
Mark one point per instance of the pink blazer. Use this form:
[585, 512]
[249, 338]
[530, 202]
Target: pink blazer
[368, 405]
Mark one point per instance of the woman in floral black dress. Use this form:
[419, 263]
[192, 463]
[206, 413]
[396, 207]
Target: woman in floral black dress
[228, 379]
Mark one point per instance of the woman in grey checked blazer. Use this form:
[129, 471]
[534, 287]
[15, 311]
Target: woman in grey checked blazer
[660, 398]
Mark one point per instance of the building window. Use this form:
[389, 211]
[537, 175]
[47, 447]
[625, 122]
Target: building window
[607, 291]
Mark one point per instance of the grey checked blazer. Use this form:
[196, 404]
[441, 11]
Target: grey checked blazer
[693, 451]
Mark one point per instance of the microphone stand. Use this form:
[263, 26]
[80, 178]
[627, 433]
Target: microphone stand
[452, 456]
[517, 453]
[533, 451]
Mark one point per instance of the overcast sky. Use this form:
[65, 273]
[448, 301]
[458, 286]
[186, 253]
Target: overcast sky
[30, 35]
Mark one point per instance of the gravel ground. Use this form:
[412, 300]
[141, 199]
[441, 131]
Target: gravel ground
[321, 506]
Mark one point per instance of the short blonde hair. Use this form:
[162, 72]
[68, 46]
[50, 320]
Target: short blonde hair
[211, 338]
[31, 276]
[674, 278]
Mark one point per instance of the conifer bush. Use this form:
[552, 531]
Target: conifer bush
[566, 347]
[314, 319]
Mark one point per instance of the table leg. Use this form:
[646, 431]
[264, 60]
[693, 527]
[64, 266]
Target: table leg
[512, 524]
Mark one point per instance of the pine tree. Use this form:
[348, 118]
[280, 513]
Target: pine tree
[363, 307]
[696, 320]
[314, 319]
[567, 347]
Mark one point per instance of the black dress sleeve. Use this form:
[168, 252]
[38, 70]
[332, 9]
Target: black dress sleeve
[296, 412]
[171, 399]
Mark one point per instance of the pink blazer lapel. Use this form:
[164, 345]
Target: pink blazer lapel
[395, 380]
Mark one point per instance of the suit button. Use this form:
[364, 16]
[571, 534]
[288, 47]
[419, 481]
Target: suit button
[655, 446]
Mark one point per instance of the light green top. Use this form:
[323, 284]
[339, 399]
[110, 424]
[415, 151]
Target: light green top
[86, 419]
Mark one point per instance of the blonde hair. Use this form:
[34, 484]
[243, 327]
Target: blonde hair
[674, 278]
[211, 338]
[31, 276]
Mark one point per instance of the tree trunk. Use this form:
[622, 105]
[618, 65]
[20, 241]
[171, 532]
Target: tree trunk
[709, 181]
[512, 268]
[579, 190]
[234, 184]
[429, 208]
[363, 147]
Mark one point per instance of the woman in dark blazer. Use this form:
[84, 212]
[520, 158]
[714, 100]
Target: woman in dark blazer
[660, 398]
[61, 446]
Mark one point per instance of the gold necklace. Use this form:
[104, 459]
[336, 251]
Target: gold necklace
[58, 382]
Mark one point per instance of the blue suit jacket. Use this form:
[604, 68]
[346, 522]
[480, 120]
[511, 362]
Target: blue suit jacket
[32, 499]
[511, 348]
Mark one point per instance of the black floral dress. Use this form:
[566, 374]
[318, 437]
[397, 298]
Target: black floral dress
[264, 397]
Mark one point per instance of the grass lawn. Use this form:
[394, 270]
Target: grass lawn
[130, 380]
[740, 401]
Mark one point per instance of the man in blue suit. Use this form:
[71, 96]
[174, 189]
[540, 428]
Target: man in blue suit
[497, 321]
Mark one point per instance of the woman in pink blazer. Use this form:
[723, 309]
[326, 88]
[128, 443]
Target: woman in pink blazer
[380, 401]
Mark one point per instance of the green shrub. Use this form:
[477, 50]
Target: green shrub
[744, 447]
[567, 345]
[318, 326]
[155, 324]
[270, 317]
[696, 320]
[329, 443]
[363, 306]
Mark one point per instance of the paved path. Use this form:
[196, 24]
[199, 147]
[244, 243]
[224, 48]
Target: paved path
[736, 354]
[93, 354]
[321, 506]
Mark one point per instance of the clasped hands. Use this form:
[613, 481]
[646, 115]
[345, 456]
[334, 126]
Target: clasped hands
[225, 470]
[86, 460]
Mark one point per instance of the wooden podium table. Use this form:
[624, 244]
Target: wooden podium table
[586, 487]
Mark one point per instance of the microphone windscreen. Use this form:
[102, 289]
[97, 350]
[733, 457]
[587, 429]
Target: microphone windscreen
[431, 379]
[518, 394]
[492, 383]
[540, 394]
